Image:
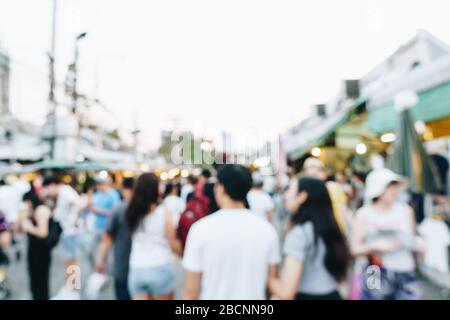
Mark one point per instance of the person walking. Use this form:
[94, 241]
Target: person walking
[68, 206]
[104, 201]
[173, 202]
[317, 257]
[153, 234]
[384, 232]
[5, 238]
[230, 254]
[37, 226]
[188, 188]
[315, 168]
[259, 201]
[118, 235]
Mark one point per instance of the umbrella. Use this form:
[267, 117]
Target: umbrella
[409, 158]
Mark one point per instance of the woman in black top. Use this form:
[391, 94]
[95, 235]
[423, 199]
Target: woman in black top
[39, 252]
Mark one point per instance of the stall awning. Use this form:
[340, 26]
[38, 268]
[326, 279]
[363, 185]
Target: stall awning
[317, 135]
[434, 104]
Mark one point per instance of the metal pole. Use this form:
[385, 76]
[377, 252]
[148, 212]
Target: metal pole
[75, 75]
[75, 72]
[51, 97]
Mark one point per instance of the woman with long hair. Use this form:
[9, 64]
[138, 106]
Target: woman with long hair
[37, 227]
[152, 229]
[317, 257]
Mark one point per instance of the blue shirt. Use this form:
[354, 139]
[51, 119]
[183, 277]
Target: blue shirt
[104, 201]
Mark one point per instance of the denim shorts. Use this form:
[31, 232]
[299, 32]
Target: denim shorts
[391, 286]
[155, 281]
[70, 247]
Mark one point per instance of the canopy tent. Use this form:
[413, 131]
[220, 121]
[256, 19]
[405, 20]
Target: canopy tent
[318, 133]
[433, 105]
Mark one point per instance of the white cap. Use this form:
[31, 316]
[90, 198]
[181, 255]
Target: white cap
[102, 177]
[377, 181]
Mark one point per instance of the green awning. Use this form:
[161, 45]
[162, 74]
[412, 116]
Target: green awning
[434, 104]
[320, 140]
[410, 159]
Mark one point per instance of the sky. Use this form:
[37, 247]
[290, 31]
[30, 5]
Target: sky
[211, 66]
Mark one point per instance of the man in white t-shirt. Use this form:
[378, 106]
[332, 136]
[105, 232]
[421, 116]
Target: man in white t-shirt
[259, 201]
[68, 205]
[230, 254]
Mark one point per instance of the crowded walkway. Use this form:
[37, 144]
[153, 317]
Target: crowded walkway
[302, 242]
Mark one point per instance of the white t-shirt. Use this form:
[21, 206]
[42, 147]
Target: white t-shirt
[395, 224]
[437, 240]
[233, 250]
[176, 206]
[11, 199]
[150, 247]
[67, 204]
[260, 203]
[186, 190]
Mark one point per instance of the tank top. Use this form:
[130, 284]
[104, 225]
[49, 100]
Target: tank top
[38, 247]
[395, 223]
[150, 247]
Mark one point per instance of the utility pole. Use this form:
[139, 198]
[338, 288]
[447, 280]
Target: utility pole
[75, 72]
[51, 95]
[135, 134]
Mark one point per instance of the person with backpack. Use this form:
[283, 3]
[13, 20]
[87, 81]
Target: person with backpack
[197, 207]
[37, 228]
[230, 254]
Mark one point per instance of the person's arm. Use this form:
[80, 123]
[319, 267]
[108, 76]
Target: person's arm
[105, 246]
[286, 287]
[419, 243]
[358, 247]
[42, 215]
[101, 212]
[192, 285]
[412, 219]
[270, 216]
[104, 211]
[79, 203]
[108, 240]
[192, 263]
[170, 231]
[5, 239]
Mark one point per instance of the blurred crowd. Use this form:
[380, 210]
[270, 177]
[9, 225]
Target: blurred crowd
[320, 237]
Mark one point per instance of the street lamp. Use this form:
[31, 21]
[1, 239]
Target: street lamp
[75, 70]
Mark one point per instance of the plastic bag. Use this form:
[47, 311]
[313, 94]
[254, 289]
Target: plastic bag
[95, 284]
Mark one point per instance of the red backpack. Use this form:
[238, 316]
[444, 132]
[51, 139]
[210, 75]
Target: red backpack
[196, 208]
